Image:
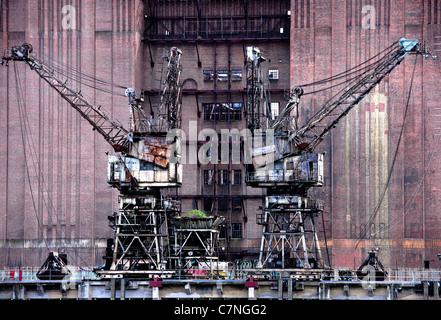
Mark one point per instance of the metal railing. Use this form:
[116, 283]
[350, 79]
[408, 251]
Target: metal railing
[231, 271]
[30, 274]
[399, 275]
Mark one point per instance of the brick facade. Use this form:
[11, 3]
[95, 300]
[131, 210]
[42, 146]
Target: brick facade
[58, 191]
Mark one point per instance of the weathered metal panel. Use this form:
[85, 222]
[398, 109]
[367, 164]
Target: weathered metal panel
[121, 170]
[306, 168]
[152, 149]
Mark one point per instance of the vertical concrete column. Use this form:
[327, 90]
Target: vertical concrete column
[84, 291]
[250, 284]
[112, 288]
[18, 292]
[280, 287]
[155, 293]
[122, 289]
[324, 292]
[251, 295]
[155, 285]
[290, 285]
[391, 292]
[426, 290]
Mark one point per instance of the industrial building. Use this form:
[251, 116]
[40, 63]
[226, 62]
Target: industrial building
[380, 162]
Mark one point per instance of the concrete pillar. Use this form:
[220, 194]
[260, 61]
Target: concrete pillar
[392, 292]
[346, 290]
[187, 289]
[251, 295]
[84, 290]
[155, 293]
[290, 285]
[122, 289]
[323, 292]
[219, 288]
[18, 292]
[426, 290]
[112, 288]
[280, 287]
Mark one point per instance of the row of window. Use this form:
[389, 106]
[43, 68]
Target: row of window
[236, 75]
[222, 111]
[223, 177]
[222, 75]
[236, 231]
[222, 204]
[230, 111]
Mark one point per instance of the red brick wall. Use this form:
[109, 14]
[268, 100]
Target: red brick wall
[70, 199]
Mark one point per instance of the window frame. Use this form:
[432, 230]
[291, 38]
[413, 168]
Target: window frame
[236, 230]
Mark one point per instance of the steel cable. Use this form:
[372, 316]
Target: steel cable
[80, 77]
[27, 136]
[377, 208]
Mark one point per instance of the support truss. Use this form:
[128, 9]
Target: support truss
[141, 233]
[196, 243]
[289, 237]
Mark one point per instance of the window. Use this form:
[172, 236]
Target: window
[236, 148]
[223, 232]
[222, 76]
[223, 177]
[144, 165]
[236, 75]
[224, 148]
[237, 177]
[208, 205]
[236, 204]
[236, 230]
[221, 111]
[274, 110]
[208, 177]
[208, 75]
[222, 204]
[273, 74]
[236, 110]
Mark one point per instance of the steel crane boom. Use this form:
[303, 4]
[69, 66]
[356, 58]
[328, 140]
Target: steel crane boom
[112, 130]
[307, 137]
[137, 141]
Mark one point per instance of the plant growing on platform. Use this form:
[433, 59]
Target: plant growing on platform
[196, 214]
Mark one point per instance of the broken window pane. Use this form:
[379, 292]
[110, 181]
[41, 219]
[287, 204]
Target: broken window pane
[221, 111]
[208, 75]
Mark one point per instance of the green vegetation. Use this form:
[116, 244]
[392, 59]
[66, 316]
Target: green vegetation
[196, 214]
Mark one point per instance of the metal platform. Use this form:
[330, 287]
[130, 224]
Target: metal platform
[278, 289]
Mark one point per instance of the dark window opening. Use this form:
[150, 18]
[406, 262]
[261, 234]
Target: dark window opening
[221, 111]
[236, 230]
